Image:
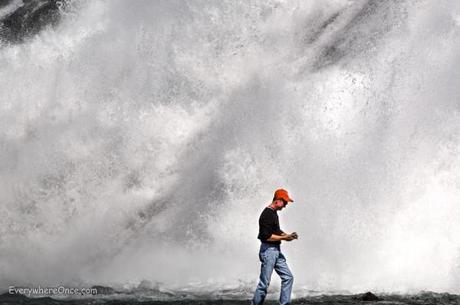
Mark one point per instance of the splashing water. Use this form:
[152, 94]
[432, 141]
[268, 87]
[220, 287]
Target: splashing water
[140, 140]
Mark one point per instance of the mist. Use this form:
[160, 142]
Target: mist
[140, 140]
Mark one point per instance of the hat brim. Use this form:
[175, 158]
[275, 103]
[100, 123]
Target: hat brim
[286, 199]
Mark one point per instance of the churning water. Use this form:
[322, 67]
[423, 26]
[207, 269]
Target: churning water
[140, 140]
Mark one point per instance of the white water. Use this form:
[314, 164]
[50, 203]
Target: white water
[140, 140]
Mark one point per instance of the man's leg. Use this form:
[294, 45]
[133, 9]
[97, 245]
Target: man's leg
[268, 259]
[287, 279]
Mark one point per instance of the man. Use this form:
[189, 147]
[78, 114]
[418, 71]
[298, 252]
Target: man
[270, 254]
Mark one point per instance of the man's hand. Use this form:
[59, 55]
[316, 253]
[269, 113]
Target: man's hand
[291, 236]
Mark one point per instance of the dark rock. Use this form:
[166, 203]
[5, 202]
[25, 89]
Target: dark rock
[4, 3]
[44, 301]
[103, 289]
[28, 19]
[369, 296]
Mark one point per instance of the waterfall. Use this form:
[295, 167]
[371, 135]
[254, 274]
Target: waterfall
[140, 140]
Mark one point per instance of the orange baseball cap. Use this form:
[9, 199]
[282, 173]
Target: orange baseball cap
[282, 194]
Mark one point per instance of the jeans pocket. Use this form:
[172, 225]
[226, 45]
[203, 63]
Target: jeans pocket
[269, 254]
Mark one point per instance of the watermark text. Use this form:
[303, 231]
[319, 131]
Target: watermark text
[58, 290]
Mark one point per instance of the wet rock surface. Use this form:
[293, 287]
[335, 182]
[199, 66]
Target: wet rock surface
[424, 298]
[369, 296]
[22, 19]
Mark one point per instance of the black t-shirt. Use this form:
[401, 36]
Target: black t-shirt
[268, 225]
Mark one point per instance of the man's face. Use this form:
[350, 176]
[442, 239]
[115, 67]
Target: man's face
[280, 204]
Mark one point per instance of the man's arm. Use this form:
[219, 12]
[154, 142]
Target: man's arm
[283, 236]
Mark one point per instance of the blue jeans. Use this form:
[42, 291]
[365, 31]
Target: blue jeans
[271, 258]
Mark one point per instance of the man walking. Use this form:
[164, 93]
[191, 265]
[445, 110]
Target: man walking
[270, 254]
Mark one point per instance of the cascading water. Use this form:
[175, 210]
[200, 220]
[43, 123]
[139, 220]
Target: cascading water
[140, 140]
